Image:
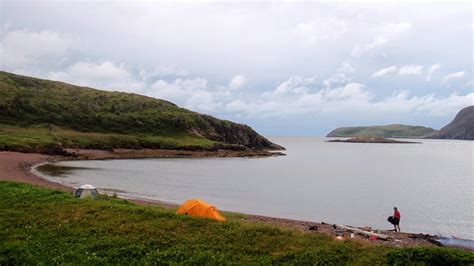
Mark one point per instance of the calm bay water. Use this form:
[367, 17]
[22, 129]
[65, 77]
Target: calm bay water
[356, 184]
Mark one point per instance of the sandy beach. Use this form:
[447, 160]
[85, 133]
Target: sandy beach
[15, 166]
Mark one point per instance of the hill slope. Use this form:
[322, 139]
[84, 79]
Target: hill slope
[462, 127]
[38, 112]
[388, 131]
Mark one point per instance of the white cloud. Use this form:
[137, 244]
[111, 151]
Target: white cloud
[430, 104]
[432, 69]
[162, 71]
[411, 70]
[396, 28]
[320, 29]
[179, 88]
[302, 98]
[105, 75]
[383, 34]
[195, 94]
[18, 48]
[404, 70]
[455, 75]
[346, 67]
[335, 79]
[384, 71]
[237, 82]
[293, 86]
[360, 50]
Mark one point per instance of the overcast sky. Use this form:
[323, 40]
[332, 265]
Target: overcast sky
[283, 68]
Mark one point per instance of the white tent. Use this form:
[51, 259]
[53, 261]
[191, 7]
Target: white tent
[86, 191]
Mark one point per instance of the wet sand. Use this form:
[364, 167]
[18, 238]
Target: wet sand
[16, 166]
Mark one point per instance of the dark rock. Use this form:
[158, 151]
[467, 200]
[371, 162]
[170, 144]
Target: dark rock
[233, 133]
[462, 127]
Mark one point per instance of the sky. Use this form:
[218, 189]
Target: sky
[284, 68]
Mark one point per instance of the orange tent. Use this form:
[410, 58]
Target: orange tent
[200, 208]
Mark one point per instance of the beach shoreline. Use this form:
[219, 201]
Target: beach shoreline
[18, 167]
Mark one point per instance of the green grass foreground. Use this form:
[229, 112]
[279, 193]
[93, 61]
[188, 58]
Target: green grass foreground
[44, 226]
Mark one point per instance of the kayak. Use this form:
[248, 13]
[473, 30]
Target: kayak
[456, 242]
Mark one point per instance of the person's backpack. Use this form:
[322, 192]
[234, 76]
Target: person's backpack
[391, 219]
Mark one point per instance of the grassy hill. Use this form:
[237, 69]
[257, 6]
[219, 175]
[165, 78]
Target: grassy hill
[44, 226]
[43, 115]
[388, 131]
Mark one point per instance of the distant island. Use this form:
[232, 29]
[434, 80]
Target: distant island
[44, 116]
[462, 127]
[388, 131]
[369, 139]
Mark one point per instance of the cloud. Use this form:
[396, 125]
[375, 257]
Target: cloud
[162, 71]
[237, 82]
[360, 50]
[384, 71]
[104, 75]
[194, 93]
[392, 29]
[411, 70]
[178, 88]
[430, 105]
[455, 75]
[309, 102]
[432, 69]
[320, 29]
[404, 70]
[300, 97]
[19, 48]
[335, 79]
[346, 67]
[383, 35]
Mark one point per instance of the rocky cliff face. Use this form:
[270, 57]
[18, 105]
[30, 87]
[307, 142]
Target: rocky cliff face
[234, 133]
[462, 127]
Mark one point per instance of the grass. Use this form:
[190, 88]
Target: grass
[44, 226]
[41, 138]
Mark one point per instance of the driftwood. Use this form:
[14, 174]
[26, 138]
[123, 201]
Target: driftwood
[364, 232]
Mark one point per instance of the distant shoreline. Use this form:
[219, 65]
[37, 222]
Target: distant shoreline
[89, 154]
[378, 140]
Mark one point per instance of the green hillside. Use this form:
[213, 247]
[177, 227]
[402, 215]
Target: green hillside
[41, 226]
[37, 114]
[389, 131]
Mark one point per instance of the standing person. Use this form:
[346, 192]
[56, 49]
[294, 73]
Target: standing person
[396, 219]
